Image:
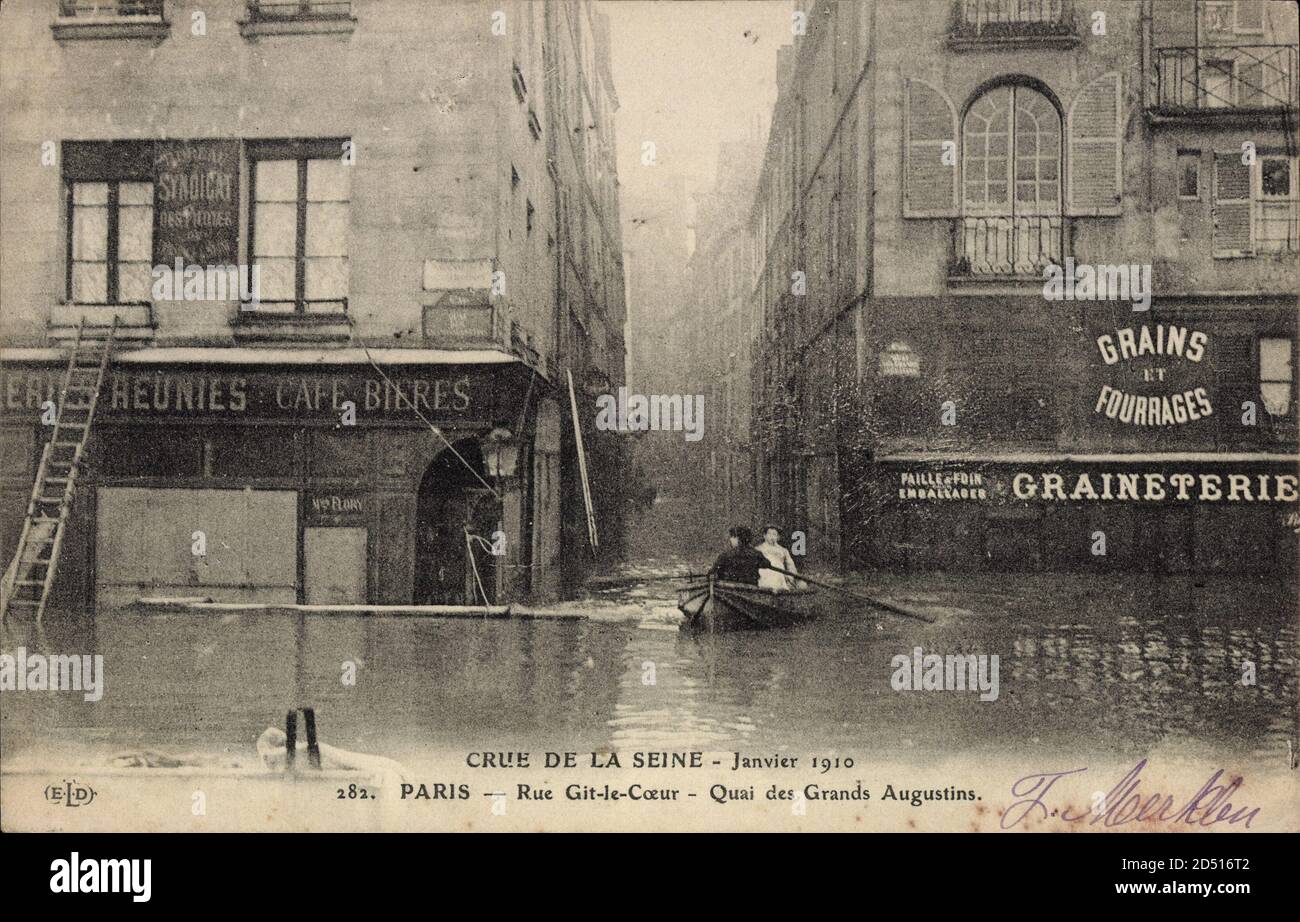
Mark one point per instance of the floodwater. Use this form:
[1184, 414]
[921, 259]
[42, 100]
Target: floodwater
[1115, 666]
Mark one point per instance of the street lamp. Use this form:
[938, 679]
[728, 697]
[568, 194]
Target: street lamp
[500, 453]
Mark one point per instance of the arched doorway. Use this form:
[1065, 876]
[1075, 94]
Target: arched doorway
[452, 500]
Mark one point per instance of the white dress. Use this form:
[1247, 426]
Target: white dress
[777, 556]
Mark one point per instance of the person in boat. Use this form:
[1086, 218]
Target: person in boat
[740, 564]
[774, 554]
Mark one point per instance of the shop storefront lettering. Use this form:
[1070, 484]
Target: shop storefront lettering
[334, 504]
[941, 485]
[161, 393]
[250, 394]
[1156, 487]
[1151, 345]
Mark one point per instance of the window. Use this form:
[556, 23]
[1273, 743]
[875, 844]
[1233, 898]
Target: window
[1255, 206]
[1249, 16]
[110, 8]
[1276, 374]
[1011, 142]
[1275, 211]
[1217, 82]
[1011, 182]
[110, 242]
[299, 9]
[299, 220]
[1189, 174]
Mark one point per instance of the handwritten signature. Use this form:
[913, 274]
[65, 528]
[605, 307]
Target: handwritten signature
[1124, 803]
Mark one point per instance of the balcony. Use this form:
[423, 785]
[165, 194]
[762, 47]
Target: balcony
[1005, 248]
[984, 24]
[106, 19]
[1224, 81]
[288, 17]
[109, 9]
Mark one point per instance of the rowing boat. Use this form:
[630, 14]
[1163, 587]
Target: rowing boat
[719, 606]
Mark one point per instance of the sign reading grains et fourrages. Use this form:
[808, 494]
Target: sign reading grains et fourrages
[1158, 358]
[196, 203]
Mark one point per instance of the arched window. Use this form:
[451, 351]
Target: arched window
[1011, 181]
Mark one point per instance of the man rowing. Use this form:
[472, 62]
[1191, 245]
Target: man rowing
[742, 563]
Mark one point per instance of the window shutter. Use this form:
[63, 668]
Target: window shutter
[929, 184]
[1095, 136]
[1232, 206]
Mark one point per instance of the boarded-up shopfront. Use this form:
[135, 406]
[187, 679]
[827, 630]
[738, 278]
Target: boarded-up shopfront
[319, 478]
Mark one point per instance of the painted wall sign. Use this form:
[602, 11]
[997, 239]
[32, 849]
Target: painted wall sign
[1168, 482]
[1156, 486]
[1157, 392]
[898, 360]
[335, 508]
[244, 394]
[941, 485]
[196, 203]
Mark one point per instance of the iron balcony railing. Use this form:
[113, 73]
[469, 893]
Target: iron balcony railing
[273, 10]
[994, 19]
[991, 246]
[109, 9]
[1228, 77]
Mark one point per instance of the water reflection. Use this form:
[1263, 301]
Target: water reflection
[1114, 669]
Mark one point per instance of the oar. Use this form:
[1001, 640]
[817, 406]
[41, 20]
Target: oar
[894, 609]
[615, 582]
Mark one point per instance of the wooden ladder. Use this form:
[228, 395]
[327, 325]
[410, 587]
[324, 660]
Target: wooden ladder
[28, 586]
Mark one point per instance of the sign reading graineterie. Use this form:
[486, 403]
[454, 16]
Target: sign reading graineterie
[1156, 482]
[196, 203]
[244, 394]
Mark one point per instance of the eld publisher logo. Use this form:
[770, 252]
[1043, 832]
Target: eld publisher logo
[102, 875]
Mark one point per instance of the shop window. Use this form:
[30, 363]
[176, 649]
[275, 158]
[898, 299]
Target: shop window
[128, 452]
[1276, 374]
[250, 454]
[16, 451]
[299, 220]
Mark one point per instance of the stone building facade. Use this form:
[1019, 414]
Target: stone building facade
[388, 420]
[1029, 286]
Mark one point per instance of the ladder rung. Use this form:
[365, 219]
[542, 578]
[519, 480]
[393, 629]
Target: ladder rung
[50, 500]
[18, 601]
[39, 583]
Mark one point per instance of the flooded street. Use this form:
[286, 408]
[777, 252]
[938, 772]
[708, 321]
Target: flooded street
[1115, 667]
